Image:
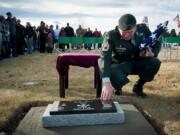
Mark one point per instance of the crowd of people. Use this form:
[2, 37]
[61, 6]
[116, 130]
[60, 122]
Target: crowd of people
[68, 31]
[16, 39]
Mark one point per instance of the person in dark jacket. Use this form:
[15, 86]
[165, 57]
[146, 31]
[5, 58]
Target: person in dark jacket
[29, 37]
[121, 57]
[12, 29]
[6, 50]
[97, 34]
[62, 33]
[88, 34]
[69, 32]
[20, 35]
[42, 37]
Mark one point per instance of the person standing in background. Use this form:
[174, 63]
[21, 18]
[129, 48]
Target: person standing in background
[29, 37]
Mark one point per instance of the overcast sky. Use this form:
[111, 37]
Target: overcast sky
[103, 14]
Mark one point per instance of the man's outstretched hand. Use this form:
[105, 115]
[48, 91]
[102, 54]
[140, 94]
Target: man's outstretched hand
[107, 91]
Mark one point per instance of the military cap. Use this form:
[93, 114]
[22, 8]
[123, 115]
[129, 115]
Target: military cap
[127, 21]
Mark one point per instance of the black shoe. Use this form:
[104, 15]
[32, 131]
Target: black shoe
[118, 92]
[141, 94]
[139, 91]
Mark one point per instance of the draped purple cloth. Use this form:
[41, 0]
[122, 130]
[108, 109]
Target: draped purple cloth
[81, 59]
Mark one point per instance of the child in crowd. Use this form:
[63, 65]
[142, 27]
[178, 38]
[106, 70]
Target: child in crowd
[49, 44]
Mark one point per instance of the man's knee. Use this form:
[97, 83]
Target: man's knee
[155, 64]
[119, 81]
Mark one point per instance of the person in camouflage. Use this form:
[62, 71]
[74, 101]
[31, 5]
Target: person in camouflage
[121, 57]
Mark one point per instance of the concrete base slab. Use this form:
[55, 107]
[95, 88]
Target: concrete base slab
[135, 124]
[81, 119]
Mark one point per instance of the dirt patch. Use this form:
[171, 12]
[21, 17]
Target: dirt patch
[157, 125]
[10, 125]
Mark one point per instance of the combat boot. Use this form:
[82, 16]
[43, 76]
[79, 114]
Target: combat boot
[138, 89]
